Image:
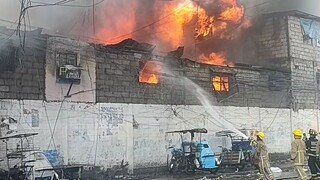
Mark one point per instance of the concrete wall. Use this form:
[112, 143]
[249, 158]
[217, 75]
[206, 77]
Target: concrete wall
[118, 73]
[118, 78]
[270, 6]
[305, 65]
[105, 133]
[265, 43]
[26, 79]
[56, 91]
[260, 88]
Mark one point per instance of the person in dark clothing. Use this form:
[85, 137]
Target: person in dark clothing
[311, 146]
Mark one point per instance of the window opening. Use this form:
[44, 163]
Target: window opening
[220, 83]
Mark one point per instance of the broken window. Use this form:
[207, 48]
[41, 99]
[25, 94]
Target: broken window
[149, 72]
[221, 83]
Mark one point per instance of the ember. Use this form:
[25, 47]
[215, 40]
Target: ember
[149, 73]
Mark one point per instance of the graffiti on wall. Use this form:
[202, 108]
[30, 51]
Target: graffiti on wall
[110, 118]
[82, 133]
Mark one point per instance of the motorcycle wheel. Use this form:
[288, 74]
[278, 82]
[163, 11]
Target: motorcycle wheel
[172, 166]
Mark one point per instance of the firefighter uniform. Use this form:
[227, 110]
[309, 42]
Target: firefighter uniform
[318, 160]
[298, 150]
[311, 145]
[262, 153]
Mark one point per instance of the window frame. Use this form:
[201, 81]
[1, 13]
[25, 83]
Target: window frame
[62, 58]
[66, 54]
[222, 84]
[142, 66]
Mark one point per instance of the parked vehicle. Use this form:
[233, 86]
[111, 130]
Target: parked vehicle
[241, 153]
[192, 155]
[24, 161]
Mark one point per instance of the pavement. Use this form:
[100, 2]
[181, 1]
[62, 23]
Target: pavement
[286, 167]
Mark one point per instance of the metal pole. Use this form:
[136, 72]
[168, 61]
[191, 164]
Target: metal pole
[93, 19]
[8, 163]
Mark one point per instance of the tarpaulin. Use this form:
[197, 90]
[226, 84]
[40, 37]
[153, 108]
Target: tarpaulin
[311, 28]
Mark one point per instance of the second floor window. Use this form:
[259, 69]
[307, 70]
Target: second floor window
[220, 83]
[66, 58]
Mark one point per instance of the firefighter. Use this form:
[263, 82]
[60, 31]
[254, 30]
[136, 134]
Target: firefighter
[318, 158]
[298, 149]
[262, 154]
[311, 145]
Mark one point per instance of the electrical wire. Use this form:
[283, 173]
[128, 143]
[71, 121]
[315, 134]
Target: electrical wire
[69, 5]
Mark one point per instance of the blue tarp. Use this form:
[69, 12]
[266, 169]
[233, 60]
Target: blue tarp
[311, 28]
[53, 156]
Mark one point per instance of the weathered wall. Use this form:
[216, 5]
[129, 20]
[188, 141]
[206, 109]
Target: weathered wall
[305, 66]
[265, 43]
[260, 88]
[56, 91]
[105, 133]
[270, 6]
[118, 79]
[118, 73]
[26, 79]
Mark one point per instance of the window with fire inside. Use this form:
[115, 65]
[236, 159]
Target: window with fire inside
[224, 84]
[149, 72]
[68, 70]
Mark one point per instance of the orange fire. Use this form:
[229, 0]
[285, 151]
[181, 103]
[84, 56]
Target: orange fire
[171, 30]
[115, 30]
[149, 73]
[204, 26]
[171, 24]
[233, 14]
[209, 25]
[215, 59]
[220, 83]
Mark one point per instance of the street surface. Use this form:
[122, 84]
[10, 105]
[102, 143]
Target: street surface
[286, 167]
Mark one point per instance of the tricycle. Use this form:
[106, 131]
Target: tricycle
[192, 155]
[241, 153]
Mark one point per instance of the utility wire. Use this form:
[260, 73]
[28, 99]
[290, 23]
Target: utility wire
[70, 5]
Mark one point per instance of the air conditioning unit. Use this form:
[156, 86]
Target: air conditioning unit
[69, 72]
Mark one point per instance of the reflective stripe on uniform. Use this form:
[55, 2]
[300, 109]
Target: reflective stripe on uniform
[300, 162]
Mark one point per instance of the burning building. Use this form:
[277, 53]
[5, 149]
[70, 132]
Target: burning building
[97, 104]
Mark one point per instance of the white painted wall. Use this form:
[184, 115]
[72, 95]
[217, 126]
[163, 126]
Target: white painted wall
[103, 134]
[83, 92]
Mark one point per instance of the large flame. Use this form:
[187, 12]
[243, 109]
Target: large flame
[168, 26]
[149, 73]
[176, 18]
[215, 59]
[233, 14]
[204, 26]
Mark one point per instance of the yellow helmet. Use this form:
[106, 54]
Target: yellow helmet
[297, 132]
[260, 135]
